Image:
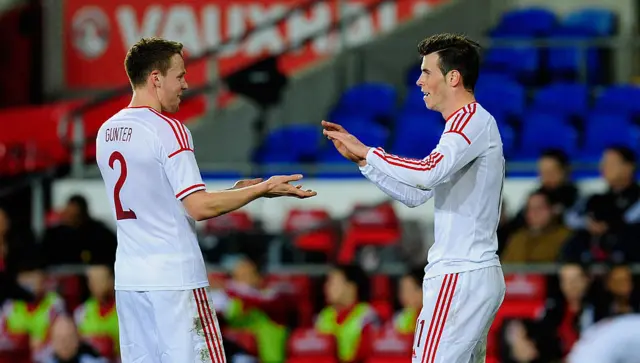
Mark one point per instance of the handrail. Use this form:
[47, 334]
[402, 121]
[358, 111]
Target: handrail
[343, 21]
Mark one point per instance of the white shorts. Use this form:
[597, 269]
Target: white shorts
[168, 327]
[457, 312]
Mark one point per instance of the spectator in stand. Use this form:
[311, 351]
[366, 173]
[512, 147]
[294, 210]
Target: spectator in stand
[410, 296]
[603, 239]
[348, 317]
[554, 174]
[34, 316]
[542, 237]
[523, 341]
[505, 228]
[66, 346]
[248, 303]
[617, 167]
[79, 239]
[96, 319]
[15, 244]
[619, 297]
[565, 318]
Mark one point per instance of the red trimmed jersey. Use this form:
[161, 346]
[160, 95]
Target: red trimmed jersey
[464, 174]
[147, 163]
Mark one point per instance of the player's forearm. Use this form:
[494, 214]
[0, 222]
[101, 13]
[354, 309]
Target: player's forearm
[405, 194]
[214, 204]
[422, 174]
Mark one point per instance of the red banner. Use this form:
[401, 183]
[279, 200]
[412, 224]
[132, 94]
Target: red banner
[98, 33]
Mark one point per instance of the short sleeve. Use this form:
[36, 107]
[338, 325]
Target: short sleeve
[178, 158]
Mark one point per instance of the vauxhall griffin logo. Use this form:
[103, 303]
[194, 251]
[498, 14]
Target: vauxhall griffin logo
[90, 31]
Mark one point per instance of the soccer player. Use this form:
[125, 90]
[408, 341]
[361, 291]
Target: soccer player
[613, 340]
[155, 189]
[463, 284]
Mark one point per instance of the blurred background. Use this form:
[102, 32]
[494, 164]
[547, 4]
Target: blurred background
[336, 278]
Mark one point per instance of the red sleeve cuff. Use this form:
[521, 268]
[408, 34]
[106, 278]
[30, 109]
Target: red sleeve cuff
[189, 190]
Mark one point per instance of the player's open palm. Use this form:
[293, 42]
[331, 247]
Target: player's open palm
[279, 187]
[342, 149]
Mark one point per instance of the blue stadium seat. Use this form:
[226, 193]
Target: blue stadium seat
[593, 22]
[508, 136]
[413, 102]
[368, 99]
[290, 144]
[606, 129]
[417, 134]
[502, 97]
[373, 135]
[565, 62]
[542, 130]
[519, 61]
[567, 99]
[413, 73]
[529, 22]
[620, 99]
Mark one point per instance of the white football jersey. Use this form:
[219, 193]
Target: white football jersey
[613, 340]
[464, 174]
[147, 163]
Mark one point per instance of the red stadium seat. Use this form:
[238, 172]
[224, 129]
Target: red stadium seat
[104, 345]
[70, 289]
[384, 309]
[377, 226]
[526, 287]
[301, 288]
[237, 221]
[381, 287]
[307, 345]
[321, 235]
[389, 347]
[243, 338]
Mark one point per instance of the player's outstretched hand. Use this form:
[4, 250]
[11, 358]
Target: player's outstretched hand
[348, 145]
[279, 187]
[342, 149]
[246, 183]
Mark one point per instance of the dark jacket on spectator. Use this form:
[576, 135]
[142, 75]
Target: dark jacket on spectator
[91, 242]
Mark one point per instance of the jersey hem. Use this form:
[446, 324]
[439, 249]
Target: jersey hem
[193, 286]
[436, 270]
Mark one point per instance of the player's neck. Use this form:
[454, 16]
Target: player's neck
[457, 103]
[142, 98]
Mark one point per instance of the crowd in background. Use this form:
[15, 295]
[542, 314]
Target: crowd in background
[40, 323]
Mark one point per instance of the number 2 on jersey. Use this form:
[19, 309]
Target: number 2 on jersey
[120, 212]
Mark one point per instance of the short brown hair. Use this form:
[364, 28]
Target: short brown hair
[456, 52]
[149, 54]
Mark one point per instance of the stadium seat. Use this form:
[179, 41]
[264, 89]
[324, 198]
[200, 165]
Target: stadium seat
[236, 221]
[390, 347]
[595, 22]
[374, 100]
[519, 61]
[566, 99]
[290, 144]
[417, 134]
[566, 62]
[619, 99]
[303, 293]
[501, 97]
[413, 102]
[606, 129]
[527, 22]
[312, 229]
[243, 338]
[307, 345]
[381, 287]
[377, 226]
[542, 130]
[525, 287]
[370, 134]
[384, 310]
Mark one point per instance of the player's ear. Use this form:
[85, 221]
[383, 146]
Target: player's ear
[155, 78]
[454, 78]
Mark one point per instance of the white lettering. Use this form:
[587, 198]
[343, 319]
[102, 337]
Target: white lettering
[235, 29]
[387, 16]
[268, 39]
[420, 8]
[361, 30]
[181, 26]
[211, 26]
[129, 28]
[300, 26]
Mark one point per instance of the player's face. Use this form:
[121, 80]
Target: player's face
[172, 85]
[432, 82]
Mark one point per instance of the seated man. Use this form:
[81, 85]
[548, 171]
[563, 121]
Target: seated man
[97, 319]
[348, 317]
[410, 296]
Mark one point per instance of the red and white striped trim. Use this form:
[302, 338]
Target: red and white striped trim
[439, 317]
[210, 327]
[460, 120]
[426, 164]
[191, 189]
[179, 131]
